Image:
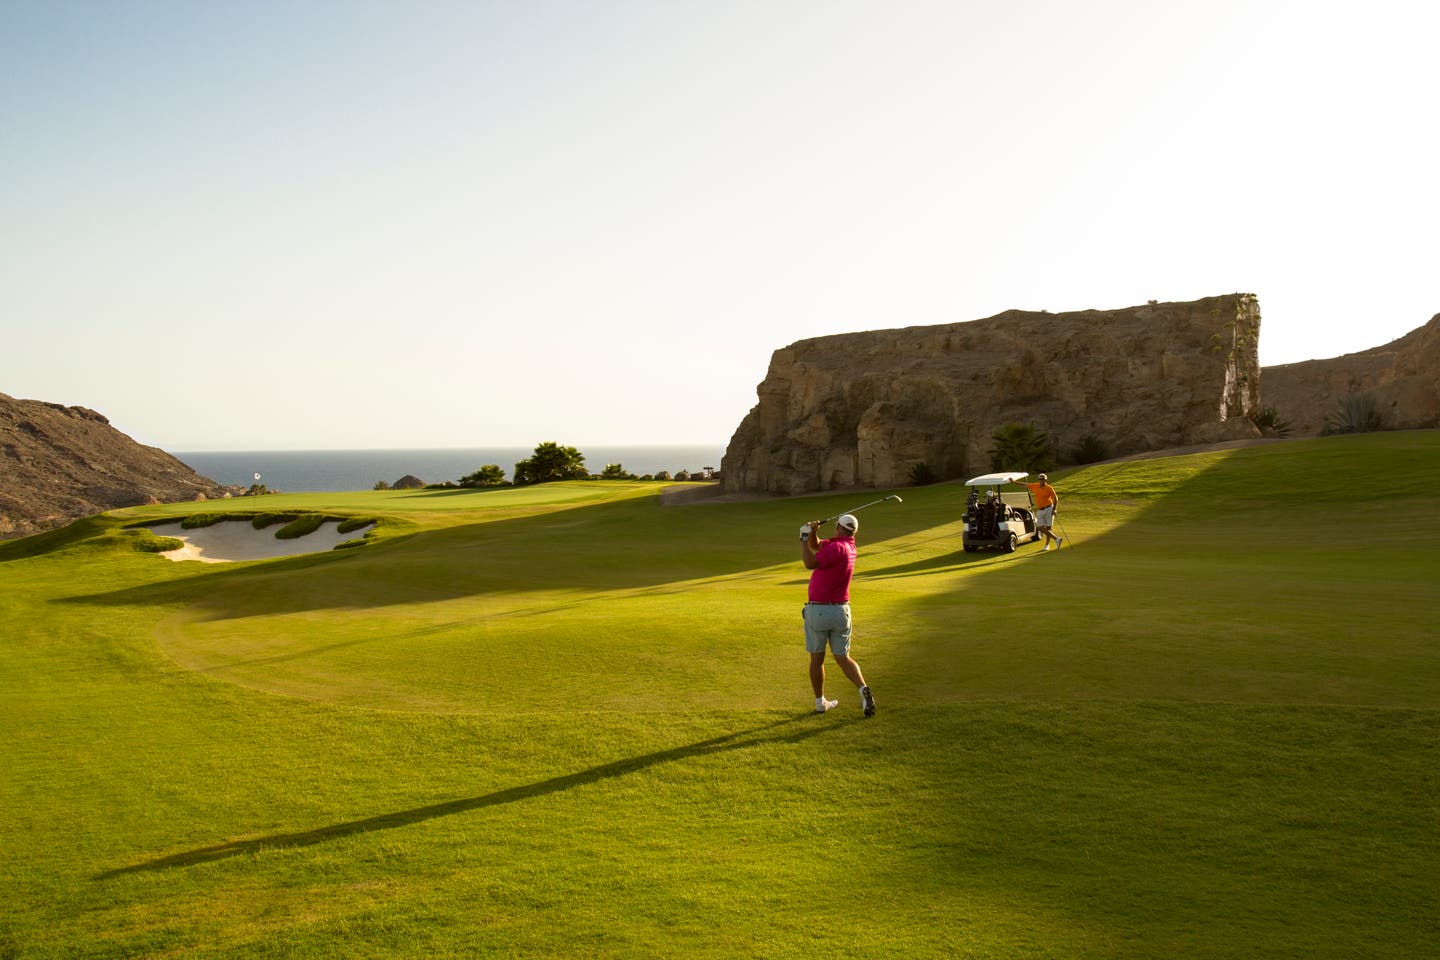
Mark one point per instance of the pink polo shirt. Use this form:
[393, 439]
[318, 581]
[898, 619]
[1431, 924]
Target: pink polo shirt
[835, 563]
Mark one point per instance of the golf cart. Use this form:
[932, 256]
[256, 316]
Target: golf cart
[991, 521]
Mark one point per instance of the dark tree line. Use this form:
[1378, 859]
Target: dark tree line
[551, 462]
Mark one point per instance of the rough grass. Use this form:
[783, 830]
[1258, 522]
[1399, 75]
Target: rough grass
[567, 721]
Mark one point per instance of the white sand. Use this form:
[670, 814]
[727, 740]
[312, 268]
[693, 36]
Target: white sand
[232, 540]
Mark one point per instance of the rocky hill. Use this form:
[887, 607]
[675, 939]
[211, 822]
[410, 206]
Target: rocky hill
[863, 409]
[58, 464]
[1402, 377]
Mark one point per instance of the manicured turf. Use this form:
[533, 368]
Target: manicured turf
[569, 721]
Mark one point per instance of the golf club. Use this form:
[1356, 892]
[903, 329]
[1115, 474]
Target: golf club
[805, 530]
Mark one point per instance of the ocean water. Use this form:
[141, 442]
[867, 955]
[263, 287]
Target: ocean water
[299, 471]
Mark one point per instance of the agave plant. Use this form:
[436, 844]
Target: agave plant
[1356, 414]
[1091, 449]
[1271, 424]
[922, 474]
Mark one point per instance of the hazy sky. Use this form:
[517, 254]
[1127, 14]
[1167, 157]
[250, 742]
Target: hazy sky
[305, 224]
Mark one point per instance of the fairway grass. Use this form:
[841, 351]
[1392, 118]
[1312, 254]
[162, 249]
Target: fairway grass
[569, 721]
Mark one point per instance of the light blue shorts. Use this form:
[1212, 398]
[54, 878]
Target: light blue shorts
[827, 624]
[1046, 517]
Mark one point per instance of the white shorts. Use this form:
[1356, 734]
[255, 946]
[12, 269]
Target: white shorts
[1046, 516]
[827, 623]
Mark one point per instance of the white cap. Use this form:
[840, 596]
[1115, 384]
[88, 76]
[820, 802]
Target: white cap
[848, 521]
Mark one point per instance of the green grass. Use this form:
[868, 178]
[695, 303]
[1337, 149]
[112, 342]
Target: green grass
[568, 721]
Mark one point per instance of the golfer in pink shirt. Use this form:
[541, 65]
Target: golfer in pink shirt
[827, 614]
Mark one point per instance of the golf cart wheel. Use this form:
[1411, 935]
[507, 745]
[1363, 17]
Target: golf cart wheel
[971, 548]
[1008, 543]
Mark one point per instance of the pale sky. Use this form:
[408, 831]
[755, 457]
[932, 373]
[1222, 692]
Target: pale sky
[305, 224]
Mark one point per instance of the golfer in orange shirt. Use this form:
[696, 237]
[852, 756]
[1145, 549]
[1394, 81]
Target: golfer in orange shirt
[1047, 501]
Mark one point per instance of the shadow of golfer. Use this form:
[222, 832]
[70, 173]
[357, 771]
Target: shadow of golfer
[755, 737]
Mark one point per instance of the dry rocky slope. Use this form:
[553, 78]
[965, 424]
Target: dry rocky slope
[58, 464]
[863, 409]
[1403, 378]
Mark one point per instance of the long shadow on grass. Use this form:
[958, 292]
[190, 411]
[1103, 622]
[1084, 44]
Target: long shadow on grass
[941, 563]
[769, 733]
[600, 548]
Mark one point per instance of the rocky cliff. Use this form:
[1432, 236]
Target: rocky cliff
[863, 409]
[1403, 378]
[58, 464]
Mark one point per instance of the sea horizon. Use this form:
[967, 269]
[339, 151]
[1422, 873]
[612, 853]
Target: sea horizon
[332, 471]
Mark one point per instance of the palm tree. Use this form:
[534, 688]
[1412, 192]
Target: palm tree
[1019, 446]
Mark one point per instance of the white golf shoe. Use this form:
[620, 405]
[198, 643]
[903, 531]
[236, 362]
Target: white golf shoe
[822, 705]
[867, 701]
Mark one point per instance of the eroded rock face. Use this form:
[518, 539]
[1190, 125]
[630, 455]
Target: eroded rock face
[1402, 376]
[863, 409]
[58, 464]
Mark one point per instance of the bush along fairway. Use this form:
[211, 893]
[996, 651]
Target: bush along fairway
[567, 720]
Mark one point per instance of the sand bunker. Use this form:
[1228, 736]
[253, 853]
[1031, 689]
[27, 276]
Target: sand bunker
[233, 540]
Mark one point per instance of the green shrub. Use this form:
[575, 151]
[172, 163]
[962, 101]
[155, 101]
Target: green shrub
[354, 523]
[489, 475]
[1356, 414]
[263, 520]
[551, 462]
[381, 485]
[922, 475]
[1091, 449]
[201, 520]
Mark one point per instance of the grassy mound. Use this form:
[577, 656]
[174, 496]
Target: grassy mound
[566, 720]
[147, 542]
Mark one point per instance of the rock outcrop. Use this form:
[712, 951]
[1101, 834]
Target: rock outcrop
[58, 464]
[1403, 378]
[408, 482]
[863, 409]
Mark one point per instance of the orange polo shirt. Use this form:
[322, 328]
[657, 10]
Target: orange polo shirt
[1044, 495]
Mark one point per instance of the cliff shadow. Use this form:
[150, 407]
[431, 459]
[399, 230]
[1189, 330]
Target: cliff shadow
[585, 553]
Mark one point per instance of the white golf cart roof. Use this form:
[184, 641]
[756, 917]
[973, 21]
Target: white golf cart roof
[995, 479]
